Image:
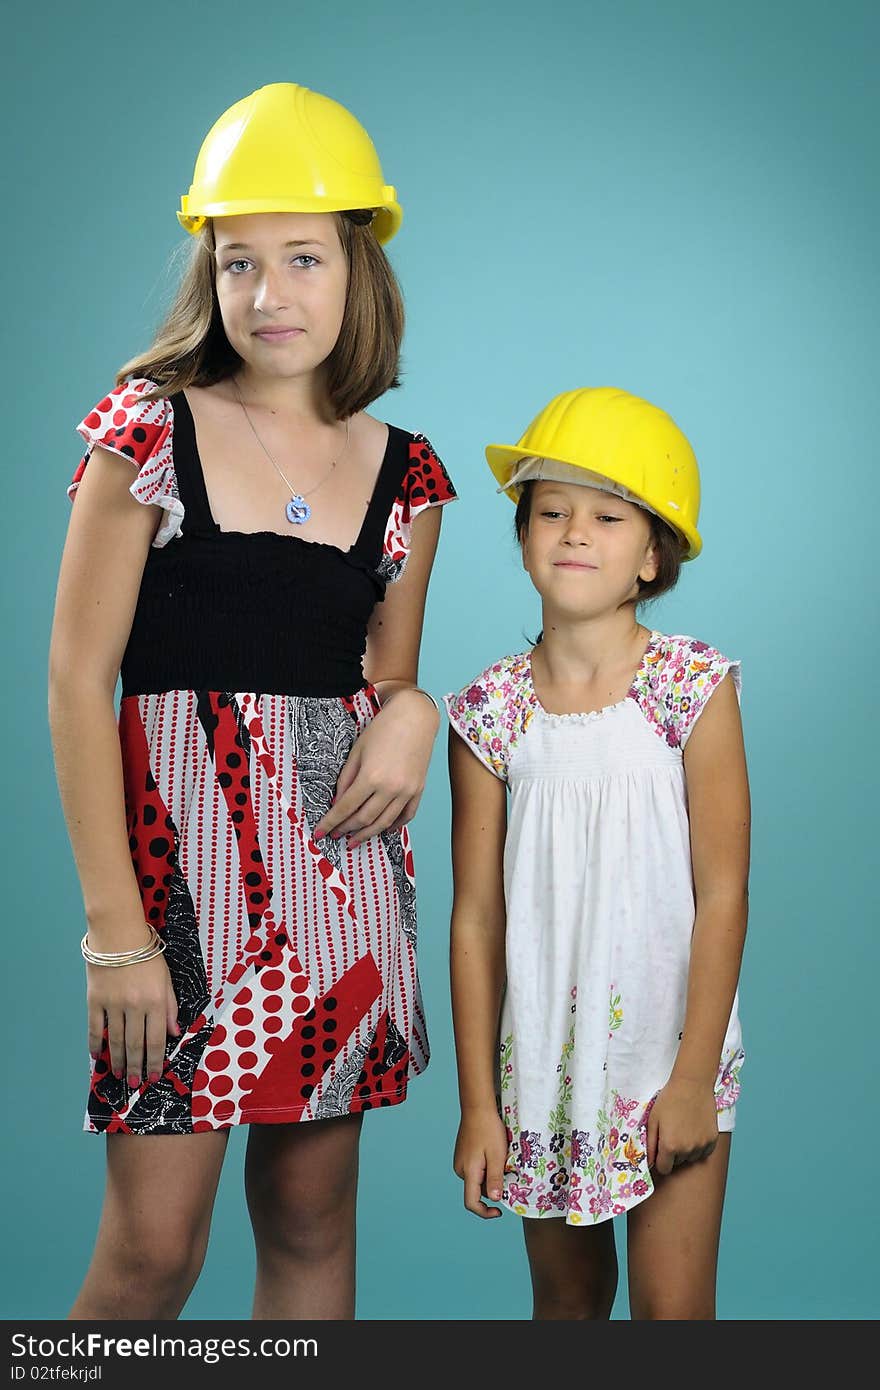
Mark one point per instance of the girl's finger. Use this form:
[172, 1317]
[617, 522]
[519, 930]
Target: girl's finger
[409, 810]
[347, 773]
[651, 1144]
[665, 1160]
[172, 1023]
[405, 815]
[495, 1180]
[473, 1187]
[343, 803]
[366, 814]
[487, 1209]
[384, 822]
[96, 1031]
[134, 1048]
[116, 1042]
[155, 1038]
[344, 809]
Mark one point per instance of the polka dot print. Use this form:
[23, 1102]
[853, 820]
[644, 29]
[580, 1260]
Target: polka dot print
[426, 484]
[151, 831]
[141, 432]
[384, 1076]
[267, 1001]
[233, 775]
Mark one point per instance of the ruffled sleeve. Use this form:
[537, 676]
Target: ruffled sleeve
[140, 432]
[425, 484]
[491, 713]
[687, 672]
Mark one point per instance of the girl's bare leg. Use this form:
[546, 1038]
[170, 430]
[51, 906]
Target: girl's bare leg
[573, 1268]
[672, 1241]
[301, 1182]
[154, 1225]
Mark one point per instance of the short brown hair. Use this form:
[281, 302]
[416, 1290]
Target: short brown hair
[191, 347]
[669, 547]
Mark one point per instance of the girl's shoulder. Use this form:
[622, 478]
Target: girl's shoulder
[677, 678]
[423, 482]
[491, 712]
[127, 423]
[137, 423]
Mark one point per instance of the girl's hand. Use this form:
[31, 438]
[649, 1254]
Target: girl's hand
[141, 1011]
[480, 1156]
[682, 1125]
[382, 781]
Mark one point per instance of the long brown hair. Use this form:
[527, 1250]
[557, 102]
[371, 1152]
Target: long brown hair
[191, 347]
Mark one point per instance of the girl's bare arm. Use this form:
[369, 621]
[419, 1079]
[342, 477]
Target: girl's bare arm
[107, 544]
[477, 961]
[394, 635]
[104, 556]
[382, 782]
[682, 1126]
[718, 807]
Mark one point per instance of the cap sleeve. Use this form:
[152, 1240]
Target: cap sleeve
[141, 433]
[689, 673]
[424, 484]
[491, 713]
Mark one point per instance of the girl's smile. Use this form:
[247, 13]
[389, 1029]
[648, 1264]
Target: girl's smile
[278, 335]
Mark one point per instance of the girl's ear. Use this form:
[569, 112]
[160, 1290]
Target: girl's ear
[651, 563]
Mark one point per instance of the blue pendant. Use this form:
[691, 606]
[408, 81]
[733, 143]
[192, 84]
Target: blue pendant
[298, 510]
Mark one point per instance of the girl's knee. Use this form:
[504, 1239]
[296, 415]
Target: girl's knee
[669, 1307]
[574, 1306]
[305, 1230]
[153, 1254]
[587, 1298]
[144, 1274]
[301, 1199]
[169, 1259]
[575, 1278]
[573, 1269]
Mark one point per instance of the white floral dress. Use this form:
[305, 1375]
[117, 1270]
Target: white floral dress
[600, 913]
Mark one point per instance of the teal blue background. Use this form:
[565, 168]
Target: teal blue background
[676, 198]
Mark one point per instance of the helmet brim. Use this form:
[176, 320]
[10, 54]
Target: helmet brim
[385, 224]
[503, 458]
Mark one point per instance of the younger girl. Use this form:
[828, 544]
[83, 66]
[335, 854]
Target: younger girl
[601, 912]
[241, 840]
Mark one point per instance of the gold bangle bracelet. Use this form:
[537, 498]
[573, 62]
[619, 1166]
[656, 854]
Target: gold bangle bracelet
[114, 959]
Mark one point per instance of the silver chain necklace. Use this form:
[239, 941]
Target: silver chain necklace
[297, 510]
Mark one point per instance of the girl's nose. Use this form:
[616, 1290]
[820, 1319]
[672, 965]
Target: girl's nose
[270, 297]
[577, 533]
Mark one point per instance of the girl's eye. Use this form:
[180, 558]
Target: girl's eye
[236, 267]
[551, 515]
[608, 517]
[312, 260]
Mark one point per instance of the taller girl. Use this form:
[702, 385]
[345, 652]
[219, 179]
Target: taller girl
[241, 841]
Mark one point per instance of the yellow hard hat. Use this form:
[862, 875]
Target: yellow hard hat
[618, 437]
[287, 149]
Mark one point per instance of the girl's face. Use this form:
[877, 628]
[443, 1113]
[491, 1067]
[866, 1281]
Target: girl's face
[585, 549]
[281, 281]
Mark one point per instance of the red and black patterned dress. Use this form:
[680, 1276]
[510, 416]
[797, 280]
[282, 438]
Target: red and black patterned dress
[293, 963]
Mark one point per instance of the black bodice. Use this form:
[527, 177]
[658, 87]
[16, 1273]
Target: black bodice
[224, 610]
